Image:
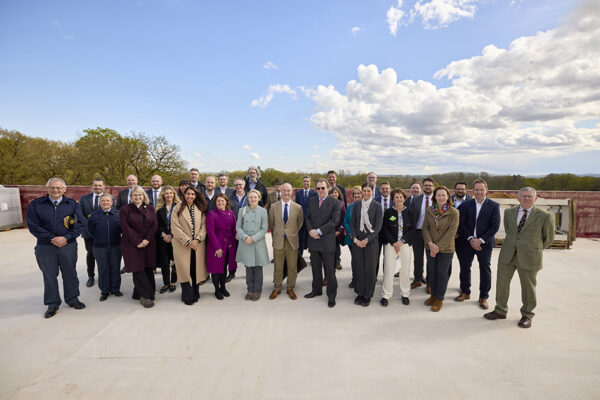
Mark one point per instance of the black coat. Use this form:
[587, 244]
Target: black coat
[105, 228]
[375, 218]
[324, 218]
[389, 229]
[164, 250]
[45, 222]
[264, 193]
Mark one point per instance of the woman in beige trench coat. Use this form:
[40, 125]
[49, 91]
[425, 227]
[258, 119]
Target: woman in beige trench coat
[189, 246]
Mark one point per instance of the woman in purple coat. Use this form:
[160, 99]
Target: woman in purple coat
[221, 243]
[138, 244]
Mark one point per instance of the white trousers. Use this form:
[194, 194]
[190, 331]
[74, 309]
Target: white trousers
[393, 262]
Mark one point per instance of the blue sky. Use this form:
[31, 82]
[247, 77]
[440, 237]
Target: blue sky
[195, 72]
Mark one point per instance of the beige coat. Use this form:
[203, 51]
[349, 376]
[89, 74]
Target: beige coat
[181, 228]
[279, 229]
[444, 236]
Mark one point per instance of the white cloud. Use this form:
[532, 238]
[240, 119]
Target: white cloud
[439, 13]
[247, 147]
[270, 65]
[263, 101]
[526, 101]
[394, 17]
[61, 32]
[255, 156]
[355, 30]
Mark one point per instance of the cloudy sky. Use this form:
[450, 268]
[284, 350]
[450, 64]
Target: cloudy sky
[400, 87]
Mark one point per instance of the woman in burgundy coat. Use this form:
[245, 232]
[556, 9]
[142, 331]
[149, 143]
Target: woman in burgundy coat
[138, 244]
[221, 244]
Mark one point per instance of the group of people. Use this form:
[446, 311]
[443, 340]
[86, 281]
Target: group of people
[201, 231]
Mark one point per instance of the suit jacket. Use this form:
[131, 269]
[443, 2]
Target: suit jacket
[324, 218]
[272, 198]
[536, 235]
[199, 186]
[303, 200]
[375, 217]
[389, 228]
[228, 191]
[209, 202]
[279, 229]
[163, 253]
[122, 198]
[236, 204]
[86, 203]
[150, 194]
[467, 197]
[264, 193]
[488, 222]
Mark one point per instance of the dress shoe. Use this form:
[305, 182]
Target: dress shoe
[525, 322]
[147, 303]
[77, 305]
[351, 285]
[437, 305]
[172, 288]
[365, 302]
[163, 289]
[423, 281]
[248, 296]
[483, 304]
[331, 303]
[324, 281]
[103, 296]
[405, 301]
[415, 285]
[428, 289]
[462, 297]
[291, 293]
[224, 292]
[429, 301]
[256, 296]
[274, 294]
[117, 293]
[123, 270]
[312, 294]
[397, 275]
[50, 312]
[358, 300]
[493, 316]
[338, 266]
[384, 302]
[230, 276]
[219, 295]
[90, 282]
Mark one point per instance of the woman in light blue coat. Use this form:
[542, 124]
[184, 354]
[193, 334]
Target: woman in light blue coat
[252, 225]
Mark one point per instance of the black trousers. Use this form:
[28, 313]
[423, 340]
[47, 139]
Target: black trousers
[190, 293]
[89, 258]
[167, 276]
[364, 261]
[418, 249]
[144, 284]
[320, 260]
[437, 275]
[219, 279]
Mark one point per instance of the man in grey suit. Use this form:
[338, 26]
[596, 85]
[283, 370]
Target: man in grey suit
[529, 231]
[223, 180]
[321, 220]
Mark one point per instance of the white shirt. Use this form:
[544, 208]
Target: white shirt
[211, 195]
[478, 206]
[289, 204]
[458, 202]
[422, 215]
[156, 193]
[223, 189]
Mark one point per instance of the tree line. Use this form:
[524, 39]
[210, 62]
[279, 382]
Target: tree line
[107, 154]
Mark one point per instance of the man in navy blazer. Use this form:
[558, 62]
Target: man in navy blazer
[479, 222]
[123, 196]
[332, 179]
[88, 204]
[302, 198]
[154, 192]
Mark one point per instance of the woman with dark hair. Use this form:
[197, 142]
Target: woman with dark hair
[336, 193]
[366, 224]
[138, 244]
[183, 184]
[356, 197]
[221, 247]
[167, 200]
[439, 228]
[188, 226]
[398, 234]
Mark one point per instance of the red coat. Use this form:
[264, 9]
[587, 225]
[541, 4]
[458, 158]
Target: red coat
[220, 231]
[138, 224]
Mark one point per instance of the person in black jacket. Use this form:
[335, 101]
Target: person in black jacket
[56, 221]
[105, 230]
[252, 182]
[398, 234]
[164, 248]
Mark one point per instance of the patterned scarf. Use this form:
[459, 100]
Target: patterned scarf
[437, 213]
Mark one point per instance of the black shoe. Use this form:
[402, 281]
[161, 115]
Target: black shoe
[218, 295]
[365, 302]
[312, 294]
[117, 293]
[358, 300]
[50, 312]
[423, 281]
[331, 303]
[230, 276]
[397, 275]
[103, 296]
[123, 270]
[164, 289]
[405, 301]
[172, 288]
[135, 296]
[351, 285]
[384, 302]
[78, 305]
[225, 292]
[90, 282]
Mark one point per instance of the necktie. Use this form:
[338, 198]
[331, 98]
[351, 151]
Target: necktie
[306, 193]
[279, 197]
[155, 198]
[385, 203]
[320, 202]
[96, 201]
[55, 203]
[522, 221]
[285, 214]
[426, 202]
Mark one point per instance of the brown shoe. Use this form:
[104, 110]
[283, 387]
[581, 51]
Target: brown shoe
[428, 289]
[255, 296]
[525, 322]
[429, 301]
[415, 284]
[483, 304]
[291, 293]
[437, 305]
[462, 297]
[493, 316]
[324, 281]
[274, 294]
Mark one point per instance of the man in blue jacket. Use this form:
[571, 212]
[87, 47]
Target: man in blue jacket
[56, 221]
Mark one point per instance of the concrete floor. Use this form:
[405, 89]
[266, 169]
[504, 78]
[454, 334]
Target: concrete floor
[275, 349]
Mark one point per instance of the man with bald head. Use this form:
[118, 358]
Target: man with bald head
[123, 196]
[153, 193]
[285, 220]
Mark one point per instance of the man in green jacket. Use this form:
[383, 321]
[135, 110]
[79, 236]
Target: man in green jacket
[529, 231]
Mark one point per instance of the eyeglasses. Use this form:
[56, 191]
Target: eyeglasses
[321, 188]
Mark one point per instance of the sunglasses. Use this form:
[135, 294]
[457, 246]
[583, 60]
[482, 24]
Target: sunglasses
[321, 188]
